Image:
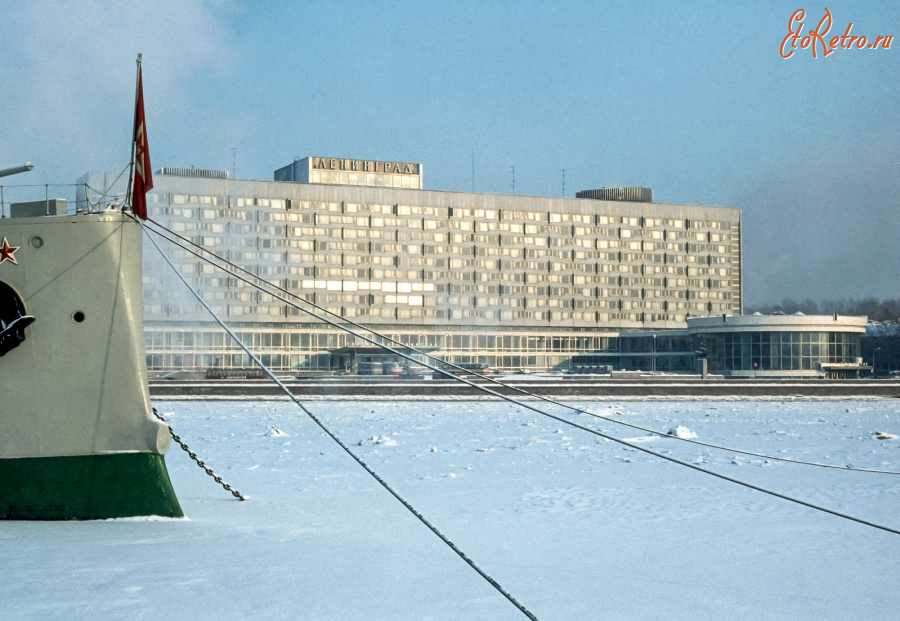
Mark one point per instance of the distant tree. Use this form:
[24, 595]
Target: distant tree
[836, 307]
[789, 306]
[809, 307]
[873, 308]
[890, 310]
[869, 308]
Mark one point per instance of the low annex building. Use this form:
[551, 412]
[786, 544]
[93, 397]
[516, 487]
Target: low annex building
[743, 346]
[782, 345]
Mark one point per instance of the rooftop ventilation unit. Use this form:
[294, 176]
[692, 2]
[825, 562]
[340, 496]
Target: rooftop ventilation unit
[634, 195]
[194, 172]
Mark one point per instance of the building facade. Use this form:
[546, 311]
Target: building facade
[502, 281]
[782, 345]
[747, 346]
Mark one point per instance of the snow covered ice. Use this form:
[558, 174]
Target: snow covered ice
[574, 526]
[682, 432]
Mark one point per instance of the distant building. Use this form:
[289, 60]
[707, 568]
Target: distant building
[880, 347]
[506, 282]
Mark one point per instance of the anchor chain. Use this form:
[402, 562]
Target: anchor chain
[200, 463]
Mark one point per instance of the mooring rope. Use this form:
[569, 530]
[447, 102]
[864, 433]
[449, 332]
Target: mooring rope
[601, 434]
[346, 448]
[492, 380]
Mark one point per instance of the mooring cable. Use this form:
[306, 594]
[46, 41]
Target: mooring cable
[494, 380]
[346, 448]
[598, 433]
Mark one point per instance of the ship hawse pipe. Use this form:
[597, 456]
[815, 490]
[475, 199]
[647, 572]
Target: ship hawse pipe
[5, 172]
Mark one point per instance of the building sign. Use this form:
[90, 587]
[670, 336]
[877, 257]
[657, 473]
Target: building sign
[366, 166]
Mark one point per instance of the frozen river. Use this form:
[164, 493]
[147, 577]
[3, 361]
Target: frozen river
[574, 526]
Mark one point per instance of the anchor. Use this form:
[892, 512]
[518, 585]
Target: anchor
[13, 319]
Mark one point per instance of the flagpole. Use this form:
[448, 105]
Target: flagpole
[137, 86]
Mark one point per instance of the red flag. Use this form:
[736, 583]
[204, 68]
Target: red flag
[143, 177]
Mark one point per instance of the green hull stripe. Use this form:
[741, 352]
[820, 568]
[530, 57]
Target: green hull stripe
[86, 487]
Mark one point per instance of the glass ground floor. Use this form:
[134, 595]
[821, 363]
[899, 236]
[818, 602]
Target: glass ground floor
[317, 349]
[779, 351]
[314, 350]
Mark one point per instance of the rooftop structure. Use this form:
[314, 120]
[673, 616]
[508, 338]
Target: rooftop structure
[340, 171]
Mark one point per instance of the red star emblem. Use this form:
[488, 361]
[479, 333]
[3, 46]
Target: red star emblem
[8, 252]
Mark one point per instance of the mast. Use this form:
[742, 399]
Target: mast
[137, 84]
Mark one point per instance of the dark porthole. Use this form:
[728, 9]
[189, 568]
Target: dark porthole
[78, 316]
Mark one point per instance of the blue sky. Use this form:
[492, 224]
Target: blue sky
[689, 98]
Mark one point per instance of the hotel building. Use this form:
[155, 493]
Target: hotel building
[503, 281]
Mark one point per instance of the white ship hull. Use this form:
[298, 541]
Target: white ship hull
[77, 436]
